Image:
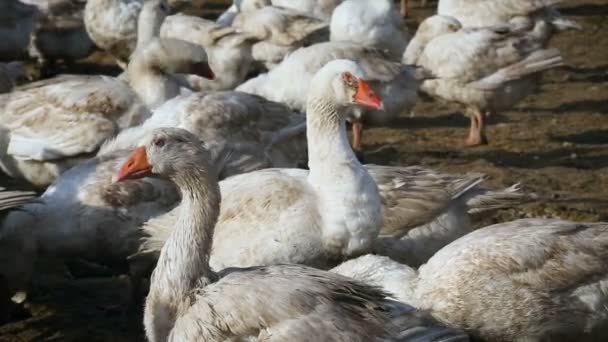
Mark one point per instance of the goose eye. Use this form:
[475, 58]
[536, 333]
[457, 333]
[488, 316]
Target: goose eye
[160, 142]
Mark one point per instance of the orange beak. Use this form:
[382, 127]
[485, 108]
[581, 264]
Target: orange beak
[204, 70]
[136, 166]
[365, 96]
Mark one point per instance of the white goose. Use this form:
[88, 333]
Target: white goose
[83, 214]
[529, 279]
[188, 301]
[397, 84]
[280, 31]
[411, 197]
[249, 131]
[320, 9]
[375, 24]
[48, 125]
[229, 51]
[485, 69]
[255, 204]
[481, 13]
[122, 26]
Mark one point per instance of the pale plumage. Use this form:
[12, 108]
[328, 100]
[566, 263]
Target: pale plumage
[320, 9]
[411, 197]
[481, 13]
[255, 204]
[395, 83]
[375, 24]
[485, 69]
[250, 131]
[229, 51]
[48, 125]
[530, 279]
[422, 210]
[281, 31]
[112, 25]
[83, 212]
[188, 301]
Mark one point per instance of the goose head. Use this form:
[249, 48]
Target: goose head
[167, 153]
[345, 83]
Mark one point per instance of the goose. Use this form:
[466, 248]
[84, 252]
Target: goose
[375, 24]
[422, 211]
[396, 83]
[529, 279]
[84, 214]
[122, 26]
[489, 70]
[229, 51]
[255, 203]
[320, 9]
[403, 190]
[49, 125]
[112, 25]
[189, 301]
[252, 132]
[280, 31]
[482, 13]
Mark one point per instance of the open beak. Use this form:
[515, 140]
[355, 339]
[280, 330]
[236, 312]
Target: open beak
[204, 70]
[365, 96]
[136, 166]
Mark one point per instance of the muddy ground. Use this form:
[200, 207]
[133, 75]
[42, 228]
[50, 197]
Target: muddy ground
[555, 143]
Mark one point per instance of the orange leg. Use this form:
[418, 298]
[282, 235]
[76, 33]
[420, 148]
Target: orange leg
[477, 131]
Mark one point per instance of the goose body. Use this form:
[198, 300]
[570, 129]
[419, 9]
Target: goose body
[99, 209]
[396, 83]
[320, 9]
[249, 131]
[112, 25]
[188, 301]
[375, 24]
[481, 13]
[489, 70]
[529, 279]
[47, 126]
[280, 31]
[229, 51]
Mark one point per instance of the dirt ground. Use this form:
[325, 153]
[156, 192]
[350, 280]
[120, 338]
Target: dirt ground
[555, 143]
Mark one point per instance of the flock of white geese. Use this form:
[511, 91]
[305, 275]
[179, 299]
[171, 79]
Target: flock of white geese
[186, 168]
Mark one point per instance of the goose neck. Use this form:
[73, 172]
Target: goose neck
[326, 133]
[183, 264]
